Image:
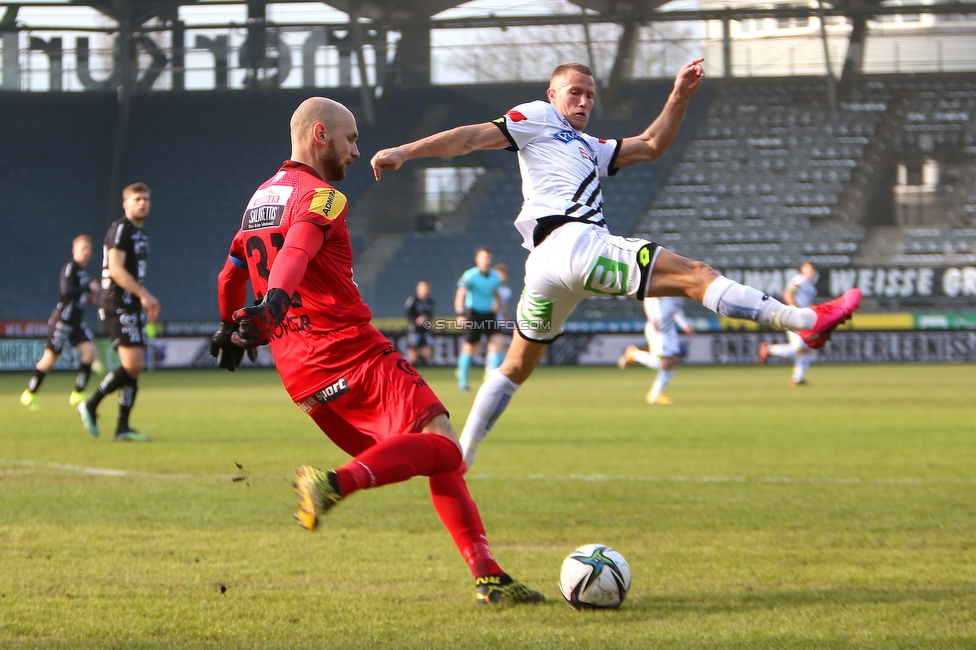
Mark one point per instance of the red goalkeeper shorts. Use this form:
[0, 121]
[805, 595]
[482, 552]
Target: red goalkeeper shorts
[370, 392]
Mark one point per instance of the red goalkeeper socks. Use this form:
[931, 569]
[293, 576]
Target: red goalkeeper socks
[460, 516]
[397, 459]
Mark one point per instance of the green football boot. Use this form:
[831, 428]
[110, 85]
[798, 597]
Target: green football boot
[493, 590]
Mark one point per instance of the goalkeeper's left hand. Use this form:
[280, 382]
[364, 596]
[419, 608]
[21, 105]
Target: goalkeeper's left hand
[228, 354]
[256, 325]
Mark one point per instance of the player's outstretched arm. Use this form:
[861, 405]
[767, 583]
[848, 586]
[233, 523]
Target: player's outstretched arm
[453, 142]
[656, 138]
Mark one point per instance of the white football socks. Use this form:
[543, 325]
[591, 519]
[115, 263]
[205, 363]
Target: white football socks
[490, 402]
[661, 382]
[800, 366]
[646, 359]
[729, 298]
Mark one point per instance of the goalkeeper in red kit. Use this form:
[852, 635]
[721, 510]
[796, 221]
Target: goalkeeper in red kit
[294, 246]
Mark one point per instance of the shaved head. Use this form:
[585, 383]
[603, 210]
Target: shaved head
[323, 136]
[316, 110]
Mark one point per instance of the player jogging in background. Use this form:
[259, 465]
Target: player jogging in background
[294, 246]
[125, 306]
[799, 291]
[664, 317]
[474, 305]
[572, 253]
[67, 325]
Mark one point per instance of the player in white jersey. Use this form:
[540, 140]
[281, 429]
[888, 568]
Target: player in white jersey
[573, 255]
[664, 317]
[798, 292]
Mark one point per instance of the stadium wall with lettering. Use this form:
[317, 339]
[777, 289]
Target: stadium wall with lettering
[952, 284]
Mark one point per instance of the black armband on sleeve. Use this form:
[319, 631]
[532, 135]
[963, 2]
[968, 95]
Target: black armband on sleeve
[502, 124]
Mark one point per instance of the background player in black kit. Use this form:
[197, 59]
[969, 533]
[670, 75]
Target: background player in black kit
[67, 325]
[126, 306]
[419, 311]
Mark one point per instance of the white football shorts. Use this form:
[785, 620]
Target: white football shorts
[662, 344]
[574, 262]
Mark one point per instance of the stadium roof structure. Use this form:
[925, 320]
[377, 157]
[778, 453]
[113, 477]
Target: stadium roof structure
[415, 19]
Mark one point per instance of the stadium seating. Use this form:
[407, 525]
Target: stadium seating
[56, 156]
[758, 184]
[755, 179]
[941, 123]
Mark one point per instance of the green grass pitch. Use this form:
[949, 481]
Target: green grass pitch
[753, 515]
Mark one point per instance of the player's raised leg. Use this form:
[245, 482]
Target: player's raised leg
[676, 275]
[781, 350]
[634, 354]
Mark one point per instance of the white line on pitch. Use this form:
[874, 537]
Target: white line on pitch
[727, 479]
[98, 471]
[93, 471]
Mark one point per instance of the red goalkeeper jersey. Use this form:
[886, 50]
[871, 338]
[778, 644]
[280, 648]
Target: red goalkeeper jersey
[327, 299]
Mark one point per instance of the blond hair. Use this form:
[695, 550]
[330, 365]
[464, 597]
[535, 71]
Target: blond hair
[135, 188]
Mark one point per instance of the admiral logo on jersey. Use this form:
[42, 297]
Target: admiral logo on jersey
[515, 116]
[328, 202]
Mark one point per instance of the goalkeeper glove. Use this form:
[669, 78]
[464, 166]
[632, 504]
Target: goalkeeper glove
[256, 325]
[228, 354]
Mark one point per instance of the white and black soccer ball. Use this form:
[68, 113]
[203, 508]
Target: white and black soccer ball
[594, 577]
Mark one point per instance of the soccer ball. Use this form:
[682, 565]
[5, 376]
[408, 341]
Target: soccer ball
[594, 577]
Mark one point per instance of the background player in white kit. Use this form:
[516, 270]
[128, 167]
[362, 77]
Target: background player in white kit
[799, 291]
[573, 254]
[664, 317]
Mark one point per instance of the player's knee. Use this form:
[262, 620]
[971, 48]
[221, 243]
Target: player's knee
[132, 368]
[701, 273]
[441, 426]
[87, 354]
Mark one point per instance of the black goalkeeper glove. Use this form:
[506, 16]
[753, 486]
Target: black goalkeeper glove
[256, 325]
[228, 354]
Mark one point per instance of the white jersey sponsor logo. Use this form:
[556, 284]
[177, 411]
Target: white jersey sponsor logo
[560, 167]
